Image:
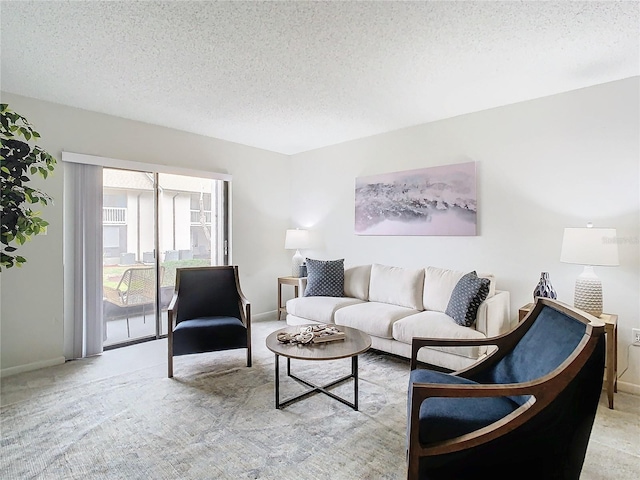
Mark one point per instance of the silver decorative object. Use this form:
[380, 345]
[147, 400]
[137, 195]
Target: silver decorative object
[544, 287]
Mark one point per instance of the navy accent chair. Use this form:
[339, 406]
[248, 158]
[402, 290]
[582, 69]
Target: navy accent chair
[525, 411]
[208, 313]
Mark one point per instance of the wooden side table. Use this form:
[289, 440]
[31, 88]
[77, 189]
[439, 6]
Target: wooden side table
[611, 333]
[522, 312]
[286, 281]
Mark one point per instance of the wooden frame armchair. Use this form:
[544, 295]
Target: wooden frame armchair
[208, 312]
[524, 411]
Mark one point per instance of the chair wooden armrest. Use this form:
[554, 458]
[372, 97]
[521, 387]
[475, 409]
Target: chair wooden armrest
[172, 311]
[500, 341]
[422, 391]
[245, 306]
[504, 343]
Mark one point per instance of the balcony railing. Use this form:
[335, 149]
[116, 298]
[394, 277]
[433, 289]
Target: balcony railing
[114, 215]
[195, 217]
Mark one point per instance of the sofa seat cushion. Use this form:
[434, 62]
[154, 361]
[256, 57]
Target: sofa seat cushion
[443, 418]
[437, 325]
[374, 318]
[319, 309]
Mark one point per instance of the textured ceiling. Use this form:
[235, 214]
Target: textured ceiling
[294, 76]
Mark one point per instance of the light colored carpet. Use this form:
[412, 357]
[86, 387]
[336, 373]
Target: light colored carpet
[118, 416]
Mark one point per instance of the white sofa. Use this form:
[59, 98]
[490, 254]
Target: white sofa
[394, 304]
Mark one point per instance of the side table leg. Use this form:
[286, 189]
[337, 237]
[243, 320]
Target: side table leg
[279, 298]
[615, 359]
[610, 362]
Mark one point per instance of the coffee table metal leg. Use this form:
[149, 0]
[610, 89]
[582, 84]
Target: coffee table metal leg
[316, 388]
[278, 381]
[354, 372]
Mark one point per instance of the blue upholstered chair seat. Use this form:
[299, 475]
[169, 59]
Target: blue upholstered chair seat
[442, 418]
[208, 334]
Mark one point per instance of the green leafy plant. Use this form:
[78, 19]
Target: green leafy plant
[19, 160]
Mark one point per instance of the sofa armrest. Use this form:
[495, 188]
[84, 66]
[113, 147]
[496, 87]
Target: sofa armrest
[494, 315]
[302, 285]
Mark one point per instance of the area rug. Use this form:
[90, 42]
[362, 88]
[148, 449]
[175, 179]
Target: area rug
[216, 419]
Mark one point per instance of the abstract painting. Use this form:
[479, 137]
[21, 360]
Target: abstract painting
[427, 201]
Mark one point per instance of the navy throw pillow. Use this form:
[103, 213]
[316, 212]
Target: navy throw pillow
[468, 294]
[325, 278]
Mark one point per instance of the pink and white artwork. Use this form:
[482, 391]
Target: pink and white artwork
[427, 201]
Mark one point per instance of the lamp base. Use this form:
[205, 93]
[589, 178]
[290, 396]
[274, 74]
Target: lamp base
[588, 293]
[296, 263]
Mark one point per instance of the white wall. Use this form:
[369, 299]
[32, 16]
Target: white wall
[543, 165]
[32, 316]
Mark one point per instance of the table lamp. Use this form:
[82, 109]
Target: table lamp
[295, 240]
[589, 246]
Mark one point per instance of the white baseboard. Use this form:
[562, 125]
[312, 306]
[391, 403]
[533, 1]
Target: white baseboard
[5, 372]
[628, 388]
[264, 317]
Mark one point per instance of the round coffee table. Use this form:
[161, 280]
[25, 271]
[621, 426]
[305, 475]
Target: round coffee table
[354, 343]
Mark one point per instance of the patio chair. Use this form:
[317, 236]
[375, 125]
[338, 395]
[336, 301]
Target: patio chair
[136, 288]
[208, 313]
[525, 411]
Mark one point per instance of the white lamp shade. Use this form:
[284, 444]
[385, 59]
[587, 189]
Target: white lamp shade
[590, 246]
[296, 239]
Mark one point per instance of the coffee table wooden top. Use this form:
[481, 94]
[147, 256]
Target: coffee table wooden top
[355, 343]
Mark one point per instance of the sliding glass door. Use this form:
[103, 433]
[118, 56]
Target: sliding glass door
[154, 223]
[191, 229]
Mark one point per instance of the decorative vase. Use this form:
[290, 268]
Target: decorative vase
[544, 287]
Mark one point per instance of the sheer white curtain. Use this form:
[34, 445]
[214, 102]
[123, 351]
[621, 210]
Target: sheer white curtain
[83, 256]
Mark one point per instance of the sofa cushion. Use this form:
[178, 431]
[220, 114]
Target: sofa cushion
[374, 318]
[325, 278]
[356, 281]
[437, 325]
[318, 309]
[439, 284]
[396, 286]
[466, 298]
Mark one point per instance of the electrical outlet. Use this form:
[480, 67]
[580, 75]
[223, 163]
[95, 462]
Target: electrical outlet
[636, 336]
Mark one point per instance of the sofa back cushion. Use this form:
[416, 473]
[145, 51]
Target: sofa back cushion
[356, 282]
[439, 284]
[397, 286]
